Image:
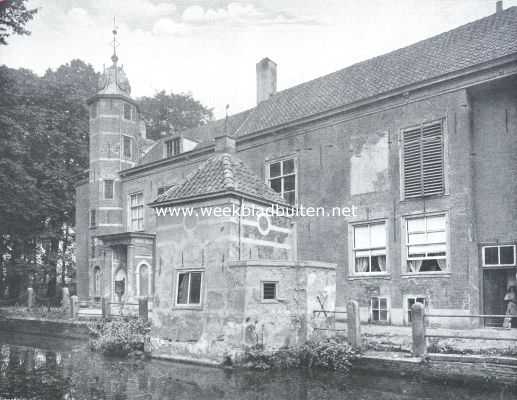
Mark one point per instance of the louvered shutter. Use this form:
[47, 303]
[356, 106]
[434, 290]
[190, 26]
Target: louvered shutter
[423, 160]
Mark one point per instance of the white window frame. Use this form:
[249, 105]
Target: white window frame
[388, 310]
[282, 176]
[123, 152]
[498, 246]
[201, 287]
[353, 249]
[405, 246]
[130, 209]
[275, 299]
[149, 275]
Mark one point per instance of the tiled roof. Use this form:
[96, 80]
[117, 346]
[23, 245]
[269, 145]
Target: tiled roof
[468, 46]
[221, 173]
[204, 134]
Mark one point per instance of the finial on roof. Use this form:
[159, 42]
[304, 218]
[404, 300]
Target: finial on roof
[226, 119]
[114, 57]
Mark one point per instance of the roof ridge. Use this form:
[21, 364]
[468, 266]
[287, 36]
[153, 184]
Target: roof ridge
[385, 54]
[228, 175]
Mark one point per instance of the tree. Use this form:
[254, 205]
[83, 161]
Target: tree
[43, 148]
[172, 112]
[14, 15]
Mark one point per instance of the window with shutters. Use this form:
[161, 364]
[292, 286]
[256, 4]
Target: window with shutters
[188, 288]
[426, 244]
[423, 160]
[269, 291]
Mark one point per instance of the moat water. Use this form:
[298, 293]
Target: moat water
[38, 367]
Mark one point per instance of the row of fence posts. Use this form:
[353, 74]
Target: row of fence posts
[419, 346]
[70, 304]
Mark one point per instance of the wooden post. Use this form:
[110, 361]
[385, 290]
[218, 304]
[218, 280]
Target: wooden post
[65, 300]
[30, 298]
[74, 306]
[418, 328]
[353, 324]
[143, 310]
[105, 307]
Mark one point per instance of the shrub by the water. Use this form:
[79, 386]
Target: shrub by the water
[331, 354]
[120, 337]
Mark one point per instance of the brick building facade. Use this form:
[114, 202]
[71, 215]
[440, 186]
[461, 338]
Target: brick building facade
[421, 141]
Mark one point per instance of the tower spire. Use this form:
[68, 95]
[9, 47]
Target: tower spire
[114, 57]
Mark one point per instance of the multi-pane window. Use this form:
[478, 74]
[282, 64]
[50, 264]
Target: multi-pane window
[370, 248]
[282, 178]
[127, 149]
[172, 147]
[93, 217]
[499, 256]
[136, 211]
[379, 309]
[189, 288]
[108, 189]
[423, 160]
[426, 242]
[269, 290]
[127, 111]
[411, 300]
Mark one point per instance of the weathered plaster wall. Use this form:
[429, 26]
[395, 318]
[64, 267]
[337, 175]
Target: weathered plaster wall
[354, 160]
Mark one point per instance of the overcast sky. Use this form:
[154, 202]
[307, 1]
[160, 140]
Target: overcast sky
[209, 47]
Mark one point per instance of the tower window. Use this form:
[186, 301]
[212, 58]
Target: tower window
[93, 218]
[127, 147]
[108, 189]
[127, 111]
[172, 147]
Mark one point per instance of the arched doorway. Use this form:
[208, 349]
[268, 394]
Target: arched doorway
[97, 288]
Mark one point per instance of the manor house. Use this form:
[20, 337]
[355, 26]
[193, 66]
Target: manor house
[422, 141]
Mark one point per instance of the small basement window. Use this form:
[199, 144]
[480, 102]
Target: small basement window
[379, 309]
[269, 290]
[411, 300]
[499, 256]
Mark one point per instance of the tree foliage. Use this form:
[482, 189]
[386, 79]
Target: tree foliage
[43, 149]
[14, 16]
[170, 112]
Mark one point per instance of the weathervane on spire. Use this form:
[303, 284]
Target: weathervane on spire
[114, 57]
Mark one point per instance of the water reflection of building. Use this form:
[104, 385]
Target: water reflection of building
[420, 140]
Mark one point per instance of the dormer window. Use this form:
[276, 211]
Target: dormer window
[172, 147]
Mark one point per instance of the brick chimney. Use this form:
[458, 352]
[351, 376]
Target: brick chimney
[499, 6]
[266, 79]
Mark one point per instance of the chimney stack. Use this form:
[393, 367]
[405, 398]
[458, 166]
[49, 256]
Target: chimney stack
[499, 6]
[266, 79]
